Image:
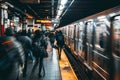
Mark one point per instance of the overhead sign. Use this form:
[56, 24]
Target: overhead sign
[43, 21]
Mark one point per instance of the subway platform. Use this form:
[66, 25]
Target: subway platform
[55, 69]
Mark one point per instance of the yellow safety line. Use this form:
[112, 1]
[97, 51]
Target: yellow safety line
[71, 67]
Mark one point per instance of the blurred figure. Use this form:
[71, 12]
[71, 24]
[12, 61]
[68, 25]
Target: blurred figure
[27, 45]
[29, 34]
[52, 38]
[9, 32]
[103, 40]
[11, 56]
[60, 42]
[38, 43]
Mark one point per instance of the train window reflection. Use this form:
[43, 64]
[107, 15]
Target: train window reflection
[116, 37]
[101, 36]
[89, 32]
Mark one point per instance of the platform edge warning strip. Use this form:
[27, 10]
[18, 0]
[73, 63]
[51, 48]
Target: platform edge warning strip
[70, 66]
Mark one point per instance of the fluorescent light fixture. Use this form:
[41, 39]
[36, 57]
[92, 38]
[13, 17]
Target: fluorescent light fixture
[63, 2]
[101, 17]
[90, 20]
[117, 17]
[57, 17]
[54, 25]
[9, 4]
[59, 12]
[80, 23]
[61, 7]
[112, 14]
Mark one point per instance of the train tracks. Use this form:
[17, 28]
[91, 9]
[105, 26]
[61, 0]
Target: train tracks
[76, 65]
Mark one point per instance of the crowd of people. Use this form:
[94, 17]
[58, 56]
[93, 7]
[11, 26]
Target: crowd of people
[17, 48]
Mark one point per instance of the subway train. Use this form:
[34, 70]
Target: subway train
[95, 41]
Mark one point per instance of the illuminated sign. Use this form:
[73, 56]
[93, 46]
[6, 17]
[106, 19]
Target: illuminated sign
[28, 16]
[43, 21]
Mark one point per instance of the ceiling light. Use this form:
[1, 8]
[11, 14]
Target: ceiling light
[59, 12]
[61, 7]
[63, 2]
[57, 17]
[46, 10]
[101, 17]
[112, 14]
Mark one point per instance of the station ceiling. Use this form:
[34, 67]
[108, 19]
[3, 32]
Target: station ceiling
[79, 8]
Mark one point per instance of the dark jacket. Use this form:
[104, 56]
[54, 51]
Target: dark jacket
[11, 57]
[60, 39]
[26, 41]
[39, 44]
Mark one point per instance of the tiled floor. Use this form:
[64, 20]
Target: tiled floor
[52, 70]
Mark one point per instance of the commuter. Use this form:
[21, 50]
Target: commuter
[60, 42]
[27, 45]
[52, 38]
[39, 47]
[29, 33]
[103, 40]
[11, 56]
[9, 32]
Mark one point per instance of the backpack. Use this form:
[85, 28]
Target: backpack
[60, 37]
[36, 47]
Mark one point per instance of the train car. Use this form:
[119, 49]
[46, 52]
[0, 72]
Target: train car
[95, 41]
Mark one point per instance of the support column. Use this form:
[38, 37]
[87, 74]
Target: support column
[3, 18]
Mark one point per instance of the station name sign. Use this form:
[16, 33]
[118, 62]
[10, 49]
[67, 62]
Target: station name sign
[38, 21]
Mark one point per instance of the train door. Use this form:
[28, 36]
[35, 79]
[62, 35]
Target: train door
[80, 40]
[72, 37]
[77, 37]
[69, 36]
[101, 51]
[116, 46]
[89, 40]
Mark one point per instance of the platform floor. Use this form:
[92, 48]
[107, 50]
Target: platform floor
[52, 70]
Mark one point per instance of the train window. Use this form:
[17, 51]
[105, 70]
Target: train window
[71, 32]
[116, 37]
[101, 36]
[89, 32]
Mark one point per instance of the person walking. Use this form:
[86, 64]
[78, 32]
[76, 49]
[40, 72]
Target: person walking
[11, 56]
[38, 46]
[60, 42]
[27, 45]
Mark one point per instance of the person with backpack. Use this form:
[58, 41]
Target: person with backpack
[11, 56]
[60, 42]
[39, 49]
